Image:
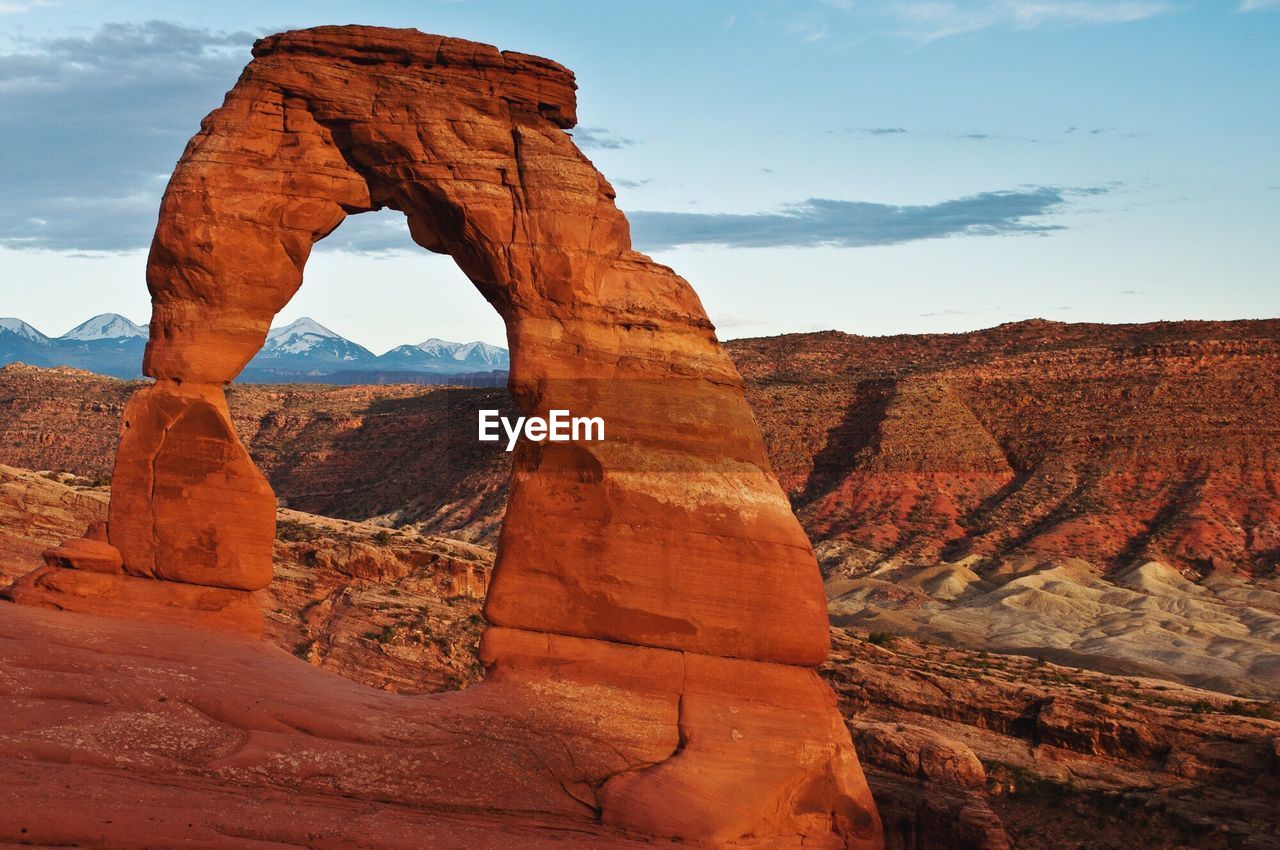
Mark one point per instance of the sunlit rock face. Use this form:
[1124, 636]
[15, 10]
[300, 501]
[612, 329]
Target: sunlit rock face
[670, 533]
[656, 609]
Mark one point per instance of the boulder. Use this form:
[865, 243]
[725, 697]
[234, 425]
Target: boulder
[85, 554]
[917, 752]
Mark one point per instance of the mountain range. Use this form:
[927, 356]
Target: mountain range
[303, 351]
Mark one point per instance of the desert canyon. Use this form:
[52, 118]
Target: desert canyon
[1009, 589]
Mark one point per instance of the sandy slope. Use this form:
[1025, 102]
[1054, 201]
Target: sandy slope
[1222, 633]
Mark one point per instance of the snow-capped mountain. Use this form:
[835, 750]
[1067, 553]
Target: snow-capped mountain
[105, 326]
[481, 355]
[310, 345]
[291, 333]
[304, 350]
[19, 329]
[445, 357]
[108, 344]
[19, 341]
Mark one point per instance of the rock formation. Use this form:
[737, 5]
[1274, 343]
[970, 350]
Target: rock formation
[1069, 758]
[1110, 443]
[1124, 442]
[655, 607]
[963, 750]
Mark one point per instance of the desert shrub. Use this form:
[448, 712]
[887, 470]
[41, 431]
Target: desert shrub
[387, 634]
[882, 639]
[1263, 710]
[293, 531]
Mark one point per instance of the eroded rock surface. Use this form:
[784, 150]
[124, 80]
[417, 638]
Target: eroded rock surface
[470, 144]
[176, 736]
[187, 503]
[618, 659]
[1067, 756]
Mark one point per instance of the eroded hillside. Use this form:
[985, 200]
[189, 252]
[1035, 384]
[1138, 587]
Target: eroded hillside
[1109, 443]
[1095, 494]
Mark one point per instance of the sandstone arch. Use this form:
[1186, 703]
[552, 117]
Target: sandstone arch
[665, 561]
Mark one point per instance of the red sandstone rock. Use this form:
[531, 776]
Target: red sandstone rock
[85, 554]
[177, 736]
[1071, 757]
[187, 503]
[1130, 442]
[915, 751]
[750, 748]
[470, 147]
[626, 568]
[139, 598]
[763, 751]
[541, 741]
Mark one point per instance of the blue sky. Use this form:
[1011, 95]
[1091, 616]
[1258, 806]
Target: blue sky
[875, 166]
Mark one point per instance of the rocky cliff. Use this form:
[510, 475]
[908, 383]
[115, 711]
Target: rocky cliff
[1109, 443]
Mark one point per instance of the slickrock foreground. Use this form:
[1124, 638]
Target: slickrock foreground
[124, 734]
[620, 665]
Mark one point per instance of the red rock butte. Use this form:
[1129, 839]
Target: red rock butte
[656, 610]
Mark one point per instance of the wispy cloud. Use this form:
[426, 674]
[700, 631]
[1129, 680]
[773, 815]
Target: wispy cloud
[1034, 13]
[952, 311]
[10, 8]
[93, 125]
[810, 28]
[930, 20]
[1258, 5]
[851, 224]
[600, 138]
[977, 135]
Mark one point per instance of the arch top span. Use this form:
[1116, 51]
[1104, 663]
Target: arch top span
[468, 142]
[529, 81]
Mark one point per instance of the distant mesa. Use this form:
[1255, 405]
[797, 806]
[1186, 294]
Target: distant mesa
[303, 351]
